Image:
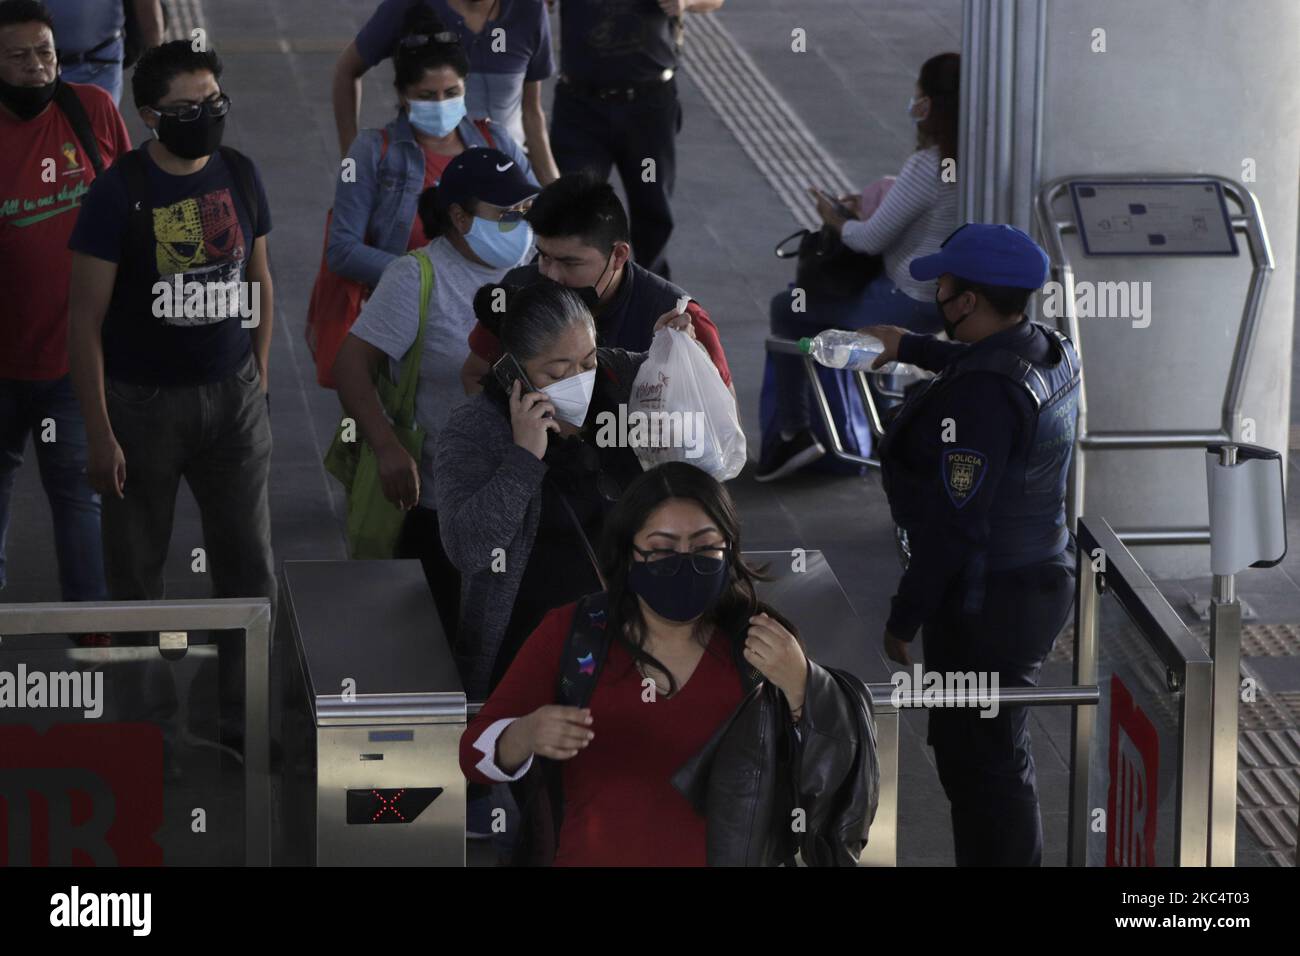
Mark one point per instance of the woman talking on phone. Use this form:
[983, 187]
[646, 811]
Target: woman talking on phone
[521, 485]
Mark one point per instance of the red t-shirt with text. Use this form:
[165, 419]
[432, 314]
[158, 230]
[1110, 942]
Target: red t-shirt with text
[43, 174]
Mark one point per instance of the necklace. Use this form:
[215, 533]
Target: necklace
[658, 689]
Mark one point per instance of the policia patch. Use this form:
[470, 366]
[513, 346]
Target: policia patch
[963, 470]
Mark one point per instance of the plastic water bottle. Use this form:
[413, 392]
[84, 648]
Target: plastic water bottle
[836, 348]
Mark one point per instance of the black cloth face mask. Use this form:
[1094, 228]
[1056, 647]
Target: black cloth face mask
[590, 294]
[679, 597]
[26, 102]
[950, 328]
[192, 140]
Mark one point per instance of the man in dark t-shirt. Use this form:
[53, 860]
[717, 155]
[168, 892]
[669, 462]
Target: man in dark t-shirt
[616, 105]
[169, 334]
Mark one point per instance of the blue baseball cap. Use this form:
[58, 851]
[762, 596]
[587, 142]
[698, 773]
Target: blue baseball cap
[488, 175]
[997, 255]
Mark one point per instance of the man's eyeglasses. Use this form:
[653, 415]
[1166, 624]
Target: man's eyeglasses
[215, 107]
[663, 562]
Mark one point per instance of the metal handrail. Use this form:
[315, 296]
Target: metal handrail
[882, 696]
[780, 346]
[1249, 222]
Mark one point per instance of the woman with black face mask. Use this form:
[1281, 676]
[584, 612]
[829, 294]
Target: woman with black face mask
[681, 634]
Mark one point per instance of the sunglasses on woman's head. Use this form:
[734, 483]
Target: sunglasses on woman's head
[417, 40]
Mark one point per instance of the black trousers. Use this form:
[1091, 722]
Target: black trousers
[985, 764]
[421, 539]
[597, 135]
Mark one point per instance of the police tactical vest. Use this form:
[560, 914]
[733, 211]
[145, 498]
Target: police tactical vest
[1027, 515]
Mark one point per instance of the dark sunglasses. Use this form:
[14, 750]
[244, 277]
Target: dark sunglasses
[215, 107]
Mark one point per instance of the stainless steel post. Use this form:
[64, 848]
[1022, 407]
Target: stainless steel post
[1225, 647]
[1084, 719]
[882, 845]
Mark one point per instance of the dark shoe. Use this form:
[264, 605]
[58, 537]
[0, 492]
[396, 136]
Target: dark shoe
[786, 457]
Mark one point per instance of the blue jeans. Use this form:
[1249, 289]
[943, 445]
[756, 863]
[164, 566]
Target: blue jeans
[107, 76]
[881, 303]
[49, 409]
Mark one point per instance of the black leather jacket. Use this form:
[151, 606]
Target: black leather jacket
[755, 775]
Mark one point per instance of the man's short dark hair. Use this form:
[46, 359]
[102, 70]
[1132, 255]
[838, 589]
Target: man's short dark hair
[1005, 300]
[162, 64]
[580, 206]
[13, 12]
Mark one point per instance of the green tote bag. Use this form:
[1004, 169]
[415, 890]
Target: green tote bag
[375, 523]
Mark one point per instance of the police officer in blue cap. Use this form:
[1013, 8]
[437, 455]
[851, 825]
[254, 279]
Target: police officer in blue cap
[975, 467]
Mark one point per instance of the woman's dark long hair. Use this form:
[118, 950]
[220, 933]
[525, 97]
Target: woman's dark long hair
[739, 600]
[940, 80]
[411, 61]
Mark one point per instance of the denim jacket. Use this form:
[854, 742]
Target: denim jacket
[381, 203]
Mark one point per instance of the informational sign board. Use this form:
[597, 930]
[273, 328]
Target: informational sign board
[1167, 218]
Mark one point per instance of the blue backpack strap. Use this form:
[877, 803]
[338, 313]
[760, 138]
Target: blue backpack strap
[585, 651]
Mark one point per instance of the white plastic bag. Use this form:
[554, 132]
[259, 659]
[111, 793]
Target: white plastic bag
[680, 410]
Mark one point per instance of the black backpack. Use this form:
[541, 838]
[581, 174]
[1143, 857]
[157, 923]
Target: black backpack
[66, 99]
[539, 793]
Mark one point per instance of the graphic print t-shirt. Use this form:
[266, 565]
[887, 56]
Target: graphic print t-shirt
[201, 233]
[44, 176]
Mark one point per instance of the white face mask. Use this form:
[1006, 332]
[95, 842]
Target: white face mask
[911, 105]
[571, 396]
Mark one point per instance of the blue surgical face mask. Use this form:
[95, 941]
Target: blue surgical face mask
[436, 117]
[501, 245]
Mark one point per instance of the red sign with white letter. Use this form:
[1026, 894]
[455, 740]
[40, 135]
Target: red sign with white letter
[81, 795]
[1134, 782]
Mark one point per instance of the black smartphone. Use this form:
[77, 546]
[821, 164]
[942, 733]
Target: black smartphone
[508, 371]
[842, 210]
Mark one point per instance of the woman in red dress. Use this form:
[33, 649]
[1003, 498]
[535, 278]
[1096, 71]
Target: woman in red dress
[683, 622]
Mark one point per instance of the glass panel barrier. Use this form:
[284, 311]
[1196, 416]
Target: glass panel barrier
[134, 747]
[1140, 775]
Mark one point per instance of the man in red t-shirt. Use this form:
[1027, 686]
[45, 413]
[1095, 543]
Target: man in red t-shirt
[44, 171]
[581, 231]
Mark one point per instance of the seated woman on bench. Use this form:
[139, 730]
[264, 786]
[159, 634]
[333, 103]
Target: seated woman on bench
[917, 213]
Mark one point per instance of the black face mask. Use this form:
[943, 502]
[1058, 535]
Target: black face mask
[679, 597]
[590, 294]
[950, 328]
[26, 102]
[192, 140]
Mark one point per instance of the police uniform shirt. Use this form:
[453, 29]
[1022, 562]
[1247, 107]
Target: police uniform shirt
[615, 43]
[948, 486]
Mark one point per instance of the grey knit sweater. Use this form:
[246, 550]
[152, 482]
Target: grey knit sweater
[489, 496]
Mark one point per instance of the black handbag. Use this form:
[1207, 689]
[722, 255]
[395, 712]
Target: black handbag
[827, 268]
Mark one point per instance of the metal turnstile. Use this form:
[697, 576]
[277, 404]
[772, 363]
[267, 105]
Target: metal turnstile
[374, 712]
[1107, 213]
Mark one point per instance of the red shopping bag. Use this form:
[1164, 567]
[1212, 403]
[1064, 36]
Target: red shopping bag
[335, 304]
